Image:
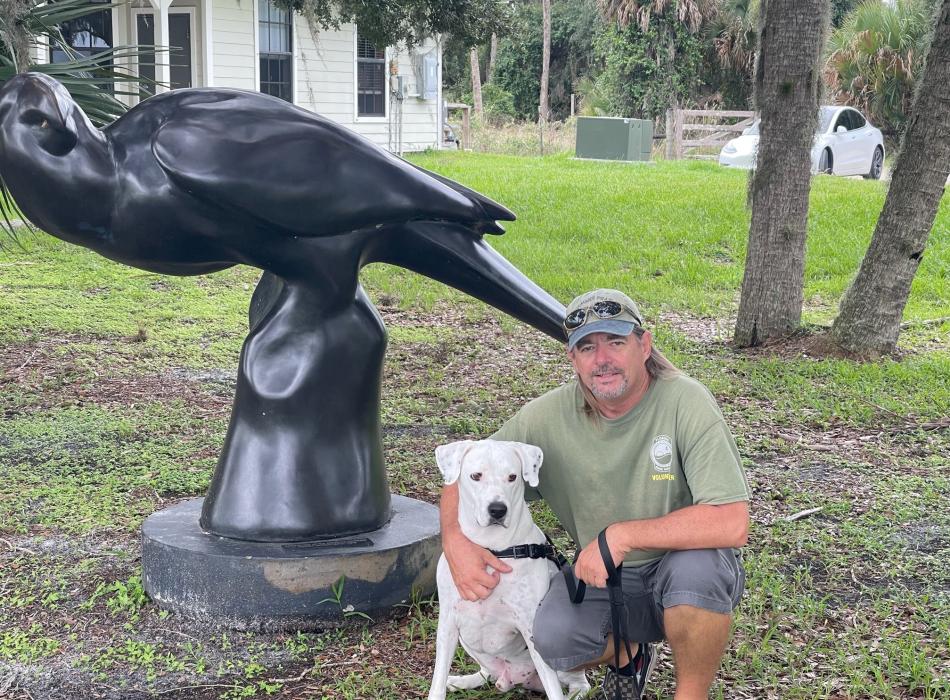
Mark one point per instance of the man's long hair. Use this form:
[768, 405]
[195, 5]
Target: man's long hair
[657, 366]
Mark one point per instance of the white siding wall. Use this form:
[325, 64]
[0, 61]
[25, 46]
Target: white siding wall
[324, 75]
[326, 84]
[234, 32]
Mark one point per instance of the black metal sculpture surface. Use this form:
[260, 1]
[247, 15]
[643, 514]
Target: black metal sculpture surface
[195, 181]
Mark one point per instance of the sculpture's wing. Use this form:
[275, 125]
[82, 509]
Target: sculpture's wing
[300, 172]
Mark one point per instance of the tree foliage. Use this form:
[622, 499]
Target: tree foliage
[874, 59]
[645, 72]
[730, 44]
[518, 65]
[91, 80]
[841, 9]
[408, 22]
[690, 13]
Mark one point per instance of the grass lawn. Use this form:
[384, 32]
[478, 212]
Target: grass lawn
[116, 385]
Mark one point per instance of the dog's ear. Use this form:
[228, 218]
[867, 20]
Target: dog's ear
[449, 459]
[531, 458]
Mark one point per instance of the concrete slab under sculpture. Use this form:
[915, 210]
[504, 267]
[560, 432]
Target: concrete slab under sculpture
[195, 181]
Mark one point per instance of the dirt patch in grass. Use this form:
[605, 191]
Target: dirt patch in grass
[73, 625]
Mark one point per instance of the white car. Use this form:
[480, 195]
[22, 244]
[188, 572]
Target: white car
[845, 144]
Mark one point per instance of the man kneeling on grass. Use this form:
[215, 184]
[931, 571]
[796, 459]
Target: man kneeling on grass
[632, 445]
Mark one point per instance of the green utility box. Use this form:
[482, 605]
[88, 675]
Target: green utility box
[614, 138]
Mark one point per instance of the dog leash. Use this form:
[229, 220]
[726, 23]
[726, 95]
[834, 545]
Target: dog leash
[618, 617]
[615, 687]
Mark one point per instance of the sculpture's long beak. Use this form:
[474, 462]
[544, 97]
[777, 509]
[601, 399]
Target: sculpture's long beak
[449, 253]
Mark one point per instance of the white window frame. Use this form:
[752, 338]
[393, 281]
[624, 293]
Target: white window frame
[257, 52]
[384, 118]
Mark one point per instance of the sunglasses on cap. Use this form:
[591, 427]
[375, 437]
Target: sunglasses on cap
[601, 309]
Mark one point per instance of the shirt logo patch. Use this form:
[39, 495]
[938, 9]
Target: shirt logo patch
[661, 453]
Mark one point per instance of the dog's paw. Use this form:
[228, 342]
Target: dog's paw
[578, 689]
[472, 680]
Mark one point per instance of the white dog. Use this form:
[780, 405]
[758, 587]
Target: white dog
[497, 631]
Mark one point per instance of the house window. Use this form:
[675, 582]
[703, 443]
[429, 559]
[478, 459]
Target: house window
[370, 79]
[274, 28]
[87, 36]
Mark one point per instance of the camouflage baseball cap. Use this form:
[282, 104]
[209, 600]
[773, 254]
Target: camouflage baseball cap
[600, 311]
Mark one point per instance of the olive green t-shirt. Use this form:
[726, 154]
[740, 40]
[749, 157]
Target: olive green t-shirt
[672, 450]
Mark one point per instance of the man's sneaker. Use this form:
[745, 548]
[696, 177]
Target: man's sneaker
[643, 662]
[623, 687]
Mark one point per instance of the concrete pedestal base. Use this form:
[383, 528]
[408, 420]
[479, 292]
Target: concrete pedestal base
[266, 586]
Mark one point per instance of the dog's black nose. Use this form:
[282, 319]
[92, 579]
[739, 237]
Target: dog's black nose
[497, 510]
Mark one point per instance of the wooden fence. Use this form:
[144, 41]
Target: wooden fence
[466, 142]
[708, 129]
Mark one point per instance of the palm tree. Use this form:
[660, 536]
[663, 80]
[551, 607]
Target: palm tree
[786, 97]
[875, 56]
[692, 13]
[730, 43]
[735, 35]
[871, 310]
[94, 81]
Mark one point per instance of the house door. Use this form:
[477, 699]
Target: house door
[181, 43]
[180, 55]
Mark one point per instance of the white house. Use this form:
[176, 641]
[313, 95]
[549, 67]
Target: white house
[392, 96]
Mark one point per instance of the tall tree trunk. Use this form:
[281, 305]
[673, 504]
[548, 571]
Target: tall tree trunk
[870, 315]
[543, 110]
[476, 81]
[787, 84]
[492, 55]
[15, 35]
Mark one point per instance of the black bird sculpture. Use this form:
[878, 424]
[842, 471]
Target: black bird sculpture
[194, 181]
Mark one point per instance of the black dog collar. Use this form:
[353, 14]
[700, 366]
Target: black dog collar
[528, 551]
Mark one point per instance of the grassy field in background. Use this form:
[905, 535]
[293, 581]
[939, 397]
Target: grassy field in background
[672, 233]
[115, 391]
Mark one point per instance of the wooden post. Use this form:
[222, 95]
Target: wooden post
[669, 134]
[541, 123]
[677, 134]
[573, 110]
[466, 128]
[466, 144]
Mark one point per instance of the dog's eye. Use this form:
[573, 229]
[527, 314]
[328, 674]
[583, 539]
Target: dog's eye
[512, 477]
[476, 476]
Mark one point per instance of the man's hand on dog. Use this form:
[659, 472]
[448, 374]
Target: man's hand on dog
[469, 566]
[590, 565]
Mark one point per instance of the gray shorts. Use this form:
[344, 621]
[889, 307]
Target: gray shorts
[569, 635]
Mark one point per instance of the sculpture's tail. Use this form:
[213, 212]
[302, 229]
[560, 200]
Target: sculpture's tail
[451, 253]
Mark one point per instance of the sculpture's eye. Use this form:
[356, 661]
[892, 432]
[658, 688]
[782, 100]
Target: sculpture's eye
[512, 477]
[34, 117]
[476, 476]
[52, 137]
